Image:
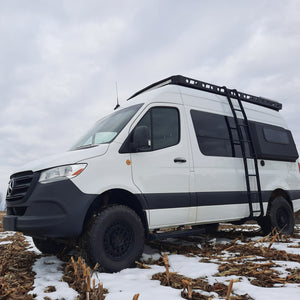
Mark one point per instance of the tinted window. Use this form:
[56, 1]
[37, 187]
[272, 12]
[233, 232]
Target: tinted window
[217, 135]
[277, 136]
[273, 142]
[165, 127]
[163, 123]
[212, 133]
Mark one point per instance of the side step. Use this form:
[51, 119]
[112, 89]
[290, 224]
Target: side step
[175, 233]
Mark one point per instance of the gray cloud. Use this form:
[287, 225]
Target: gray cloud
[60, 61]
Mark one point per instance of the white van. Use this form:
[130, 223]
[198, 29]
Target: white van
[180, 152]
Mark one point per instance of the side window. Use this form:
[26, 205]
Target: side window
[212, 133]
[276, 136]
[217, 135]
[163, 123]
[273, 142]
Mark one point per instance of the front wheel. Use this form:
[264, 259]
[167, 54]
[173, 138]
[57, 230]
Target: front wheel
[51, 246]
[114, 239]
[280, 217]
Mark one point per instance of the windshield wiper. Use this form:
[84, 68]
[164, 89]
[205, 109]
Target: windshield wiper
[86, 146]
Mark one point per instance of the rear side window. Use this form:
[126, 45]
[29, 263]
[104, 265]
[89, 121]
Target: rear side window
[273, 142]
[217, 135]
[212, 133]
[276, 135]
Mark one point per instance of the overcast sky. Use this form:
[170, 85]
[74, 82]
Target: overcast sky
[59, 61]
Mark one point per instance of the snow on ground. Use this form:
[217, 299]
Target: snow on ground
[4, 235]
[48, 274]
[290, 291]
[128, 282]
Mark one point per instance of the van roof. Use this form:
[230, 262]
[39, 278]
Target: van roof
[211, 88]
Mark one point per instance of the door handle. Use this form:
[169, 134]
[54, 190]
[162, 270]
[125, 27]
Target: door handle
[179, 160]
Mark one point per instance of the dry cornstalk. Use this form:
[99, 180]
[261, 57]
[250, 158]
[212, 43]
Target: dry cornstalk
[188, 286]
[166, 262]
[233, 244]
[229, 289]
[240, 257]
[141, 265]
[273, 240]
[88, 282]
[270, 264]
[100, 289]
[83, 267]
[260, 240]
[74, 266]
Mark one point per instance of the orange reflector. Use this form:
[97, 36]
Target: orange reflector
[78, 172]
[128, 162]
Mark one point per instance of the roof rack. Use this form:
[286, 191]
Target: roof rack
[211, 88]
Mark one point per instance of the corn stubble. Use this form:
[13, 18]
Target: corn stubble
[242, 257]
[78, 275]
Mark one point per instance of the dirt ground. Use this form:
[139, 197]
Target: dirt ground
[17, 277]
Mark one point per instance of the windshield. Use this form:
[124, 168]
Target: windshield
[107, 128]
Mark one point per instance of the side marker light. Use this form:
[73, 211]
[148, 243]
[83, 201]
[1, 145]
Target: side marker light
[78, 172]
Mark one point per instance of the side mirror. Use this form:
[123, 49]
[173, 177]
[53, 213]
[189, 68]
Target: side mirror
[141, 139]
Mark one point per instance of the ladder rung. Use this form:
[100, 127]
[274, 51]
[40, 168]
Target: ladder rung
[246, 141]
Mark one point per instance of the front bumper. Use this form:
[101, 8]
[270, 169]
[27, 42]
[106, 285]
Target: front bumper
[54, 210]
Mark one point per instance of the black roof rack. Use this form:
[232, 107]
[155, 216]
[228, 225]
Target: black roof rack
[211, 88]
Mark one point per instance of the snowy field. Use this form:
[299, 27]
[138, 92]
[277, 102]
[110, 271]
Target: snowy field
[215, 259]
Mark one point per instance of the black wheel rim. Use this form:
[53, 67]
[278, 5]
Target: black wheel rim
[118, 240]
[282, 218]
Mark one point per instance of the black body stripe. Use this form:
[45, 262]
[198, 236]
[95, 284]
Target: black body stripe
[176, 200]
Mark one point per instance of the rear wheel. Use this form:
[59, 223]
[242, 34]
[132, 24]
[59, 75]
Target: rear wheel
[114, 239]
[280, 217]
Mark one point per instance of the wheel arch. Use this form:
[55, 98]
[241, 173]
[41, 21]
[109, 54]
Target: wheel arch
[118, 197]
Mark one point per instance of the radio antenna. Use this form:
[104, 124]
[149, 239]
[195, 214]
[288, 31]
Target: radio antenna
[118, 105]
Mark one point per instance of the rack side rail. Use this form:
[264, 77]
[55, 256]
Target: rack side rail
[211, 88]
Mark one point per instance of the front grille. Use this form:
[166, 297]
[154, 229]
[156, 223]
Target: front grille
[18, 186]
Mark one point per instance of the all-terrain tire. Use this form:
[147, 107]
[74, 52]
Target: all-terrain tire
[280, 217]
[114, 239]
[50, 246]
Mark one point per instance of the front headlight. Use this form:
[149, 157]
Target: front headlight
[61, 173]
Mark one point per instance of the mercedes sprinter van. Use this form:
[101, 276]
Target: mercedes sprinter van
[181, 153]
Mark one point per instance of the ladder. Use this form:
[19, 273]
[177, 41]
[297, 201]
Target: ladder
[253, 196]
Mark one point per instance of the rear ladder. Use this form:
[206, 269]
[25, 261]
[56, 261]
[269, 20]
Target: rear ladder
[254, 196]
